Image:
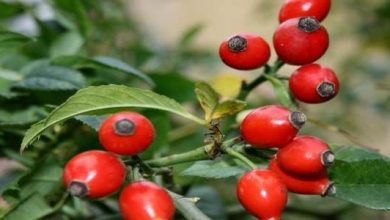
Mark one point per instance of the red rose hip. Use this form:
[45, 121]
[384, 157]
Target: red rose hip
[299, 41]
[262, 194]
[244, 51]
[305, 155]
[310, 185]
[271, 126]
[94, 174]
[303, 8]
[314, 83]
[143, 200]
[126, 133]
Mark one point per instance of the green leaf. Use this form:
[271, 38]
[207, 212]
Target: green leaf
[109, 63]
[281, 91]
[33, 207]
[174, 85]
[188, 207]
[92, 121]
[227, 108]
[21, 117]
[10, 40]
[67, 44]
[51, 78]
[210, 201]
[101, 100]
[207, 97]
[189, 35]
[212, 169]
[362, 177]
[9, 9]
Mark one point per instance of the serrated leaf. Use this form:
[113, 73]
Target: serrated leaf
[227, 108]
[92, 121]
[212, 169]
[207, 98]
[66, 44]
[227, 85]
[100, 100]
[10, 40]
[362, 177]
[31, 208]
[281, 91]
[51, 78]
[101, 63]
[188, 208]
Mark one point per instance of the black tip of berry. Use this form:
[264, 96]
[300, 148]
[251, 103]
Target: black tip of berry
[124, 127]
[237, 44]
[78, 189]
[308, 24]
[326, 89]
[327, 158]
[330, 190]
[297, 119]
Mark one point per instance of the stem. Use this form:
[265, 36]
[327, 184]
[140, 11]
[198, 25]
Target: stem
[268, 70]
[231, 152]
[200, 153]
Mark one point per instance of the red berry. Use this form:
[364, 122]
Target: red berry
[94, 174]
[143, 200]
[315, 185]
[305, 155]
[302, 8]
[244, 51]
[262, 194]
[126, 133]
[271, 126]
[314, 83]
[299, 41]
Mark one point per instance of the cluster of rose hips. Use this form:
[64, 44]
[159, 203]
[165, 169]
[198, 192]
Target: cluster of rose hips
[96, 173]
[300, 163]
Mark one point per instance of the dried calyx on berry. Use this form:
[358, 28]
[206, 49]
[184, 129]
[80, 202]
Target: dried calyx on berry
[237, 44]
[308, 24]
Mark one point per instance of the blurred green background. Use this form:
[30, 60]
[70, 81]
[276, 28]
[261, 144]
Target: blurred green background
[176, 43]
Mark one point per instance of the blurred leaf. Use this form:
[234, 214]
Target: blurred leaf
[281, 91]
[362, 177]
[9, 9]
[212, 169]
[10, 40]
[188, 208]
[99, 100]
[101, 63]
[162, 127]
[51, 78]
[31, 208]
[207, 98]
[21, 117]
[175, 86]
[227, 108]
[76, 10]
[210, 202]
[228, 85]
[189, 35]
[67, 44]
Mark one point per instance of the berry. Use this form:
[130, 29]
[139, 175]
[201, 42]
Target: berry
[126, 133]
[305, 155]
[314, 83]
[302, 8]
[94, 174]
[312, 185]
[299, 41]
[245, 51]
[271, 126]
[262, 194]
[143, 200]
